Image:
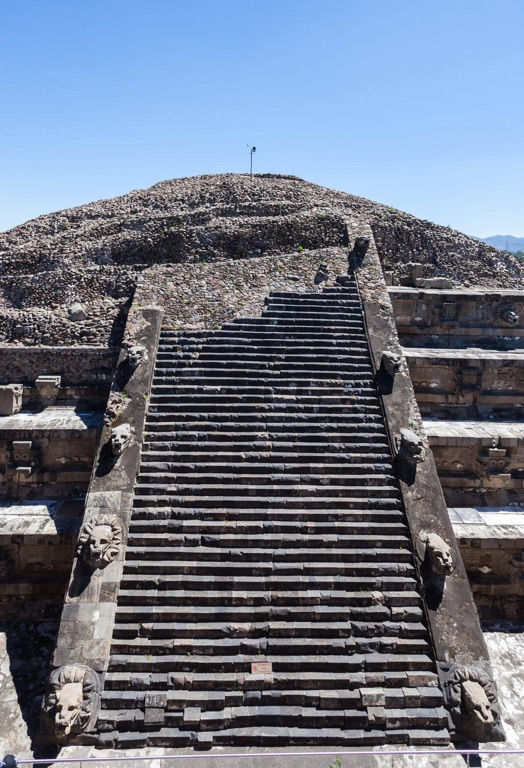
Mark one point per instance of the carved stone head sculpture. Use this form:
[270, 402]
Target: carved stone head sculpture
[391, 362]
[71, 701]
[361, 246]
[508, 315]
[412, 446]
[120, 439]
[476, 703]
[136, 355]
[100, 541]
[432, 549]
[471, 698]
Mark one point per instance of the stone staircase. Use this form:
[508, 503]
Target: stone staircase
[269, 595]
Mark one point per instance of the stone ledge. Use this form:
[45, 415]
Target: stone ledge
[441, 432]
[53, 422]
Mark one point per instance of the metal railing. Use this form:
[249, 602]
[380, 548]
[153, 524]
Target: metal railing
[10, 761]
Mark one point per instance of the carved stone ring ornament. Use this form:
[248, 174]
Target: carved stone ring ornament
[120, 439]
[471, 699]
[136, 355]
[100, 541]
[432, 548]
[71, 701]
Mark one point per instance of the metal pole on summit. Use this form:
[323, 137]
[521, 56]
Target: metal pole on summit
[251, 150]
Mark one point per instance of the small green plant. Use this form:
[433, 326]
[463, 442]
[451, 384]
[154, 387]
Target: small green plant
[321, 215]
[300, 249]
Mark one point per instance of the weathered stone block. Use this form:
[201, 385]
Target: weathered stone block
[10, 399]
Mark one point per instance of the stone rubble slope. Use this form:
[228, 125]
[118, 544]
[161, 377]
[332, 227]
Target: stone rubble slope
[94, 254]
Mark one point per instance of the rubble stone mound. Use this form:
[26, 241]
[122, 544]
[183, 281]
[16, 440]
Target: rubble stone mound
[93, 254]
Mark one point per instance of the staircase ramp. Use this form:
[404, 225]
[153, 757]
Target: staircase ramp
[269, 594]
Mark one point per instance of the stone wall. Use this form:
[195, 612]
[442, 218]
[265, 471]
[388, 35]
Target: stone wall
[458, 319]
[78, 365]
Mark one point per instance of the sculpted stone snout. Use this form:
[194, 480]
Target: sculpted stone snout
[476, 704]
[68, 705]
[509, 316]
[391, 362]
[361, 246]
[136, 355]
[432, 548]
[412, 446]
[100, 541]
[120, 439]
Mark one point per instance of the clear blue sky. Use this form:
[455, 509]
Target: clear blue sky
[415, 103]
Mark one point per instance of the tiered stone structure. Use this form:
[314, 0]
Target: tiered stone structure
[268, 560]
[464, 351]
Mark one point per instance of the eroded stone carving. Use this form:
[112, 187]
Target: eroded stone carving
[442, 283]
[411, 447]
[11, 399]
[360, 247]
[508, 315]
[71, 701]
[136, 355]
[391, 362]
[76, 312]
[100, 541]
[471, 698]
[114, 405]
[120, 439]
[321, 274]
[48, 387]
[433, 550]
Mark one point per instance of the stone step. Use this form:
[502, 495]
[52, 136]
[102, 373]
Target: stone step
[279, 451]
[305, 366]
[255, 527]
[422, 696]
[320, 682]
[256, 440]
[213, 669]
[271, 737]
[305, 305]
[368, 516]
[244, 398]
[349, 292]
[275, 583]
[259, 492]
[157, 462]
[314, 421]
[331, 322]
[212, 567]
[209, 479]
[197, 386]
[317, 300]
[215, 406]
[246, 458]
[377, 500]
[331, 631]
[222, 600]
[287, 556]
[330, 316]
[219, 722]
